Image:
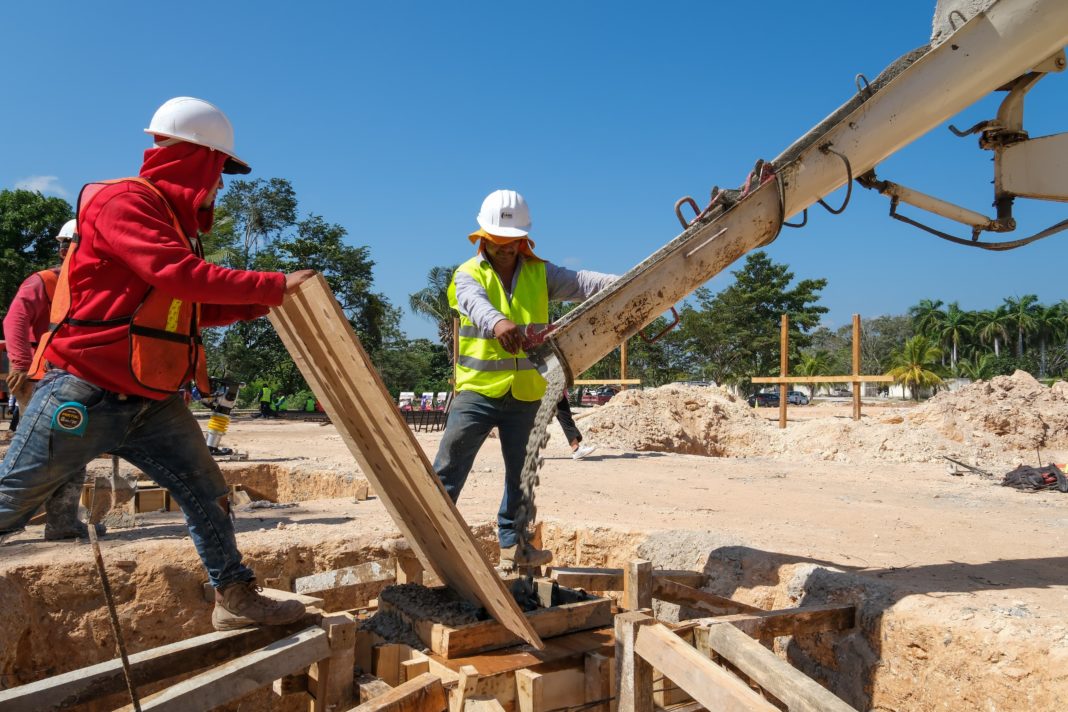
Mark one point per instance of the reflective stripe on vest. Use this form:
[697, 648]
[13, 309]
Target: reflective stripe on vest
[166, 350]
[482, 364]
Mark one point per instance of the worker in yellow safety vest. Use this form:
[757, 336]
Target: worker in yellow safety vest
[502, 294]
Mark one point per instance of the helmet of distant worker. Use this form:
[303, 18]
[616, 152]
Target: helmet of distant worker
[67, 234]
[505, 213]
[196, 121]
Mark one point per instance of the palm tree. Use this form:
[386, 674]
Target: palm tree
[927, 316]
[1021, 316]
[992, 325]
[980, 369]
[955, 326]
[814, 364]
[1049, 325]
[915, 364]
[432, 302]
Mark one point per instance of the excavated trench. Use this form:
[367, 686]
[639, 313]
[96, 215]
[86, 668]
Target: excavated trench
[911, 650]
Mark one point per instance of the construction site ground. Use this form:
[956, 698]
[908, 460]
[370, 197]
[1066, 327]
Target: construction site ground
[961, 585]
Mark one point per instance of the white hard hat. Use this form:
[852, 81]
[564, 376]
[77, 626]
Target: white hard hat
[197, 121]
[505, 213]
[68, 231]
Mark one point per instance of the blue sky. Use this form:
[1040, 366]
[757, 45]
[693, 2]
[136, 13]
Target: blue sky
[396, 119]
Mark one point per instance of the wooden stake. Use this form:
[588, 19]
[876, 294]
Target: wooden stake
[638, 585]
[784, 366]
[623, 361]
[634, 676]
[423, 694]
[856, 366]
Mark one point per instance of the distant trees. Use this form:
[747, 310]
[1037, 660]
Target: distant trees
[1037, 331]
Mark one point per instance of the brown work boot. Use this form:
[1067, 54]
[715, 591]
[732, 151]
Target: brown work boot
[514, 557]
[241, 605]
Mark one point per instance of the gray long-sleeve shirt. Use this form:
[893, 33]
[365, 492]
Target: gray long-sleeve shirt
[565, 285]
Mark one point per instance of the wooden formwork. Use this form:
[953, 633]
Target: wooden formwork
[635, 664]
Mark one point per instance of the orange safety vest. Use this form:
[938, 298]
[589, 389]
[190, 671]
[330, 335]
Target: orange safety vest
[50, 278]
[166, 350]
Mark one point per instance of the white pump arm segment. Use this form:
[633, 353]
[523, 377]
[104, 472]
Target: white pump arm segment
[994, 47]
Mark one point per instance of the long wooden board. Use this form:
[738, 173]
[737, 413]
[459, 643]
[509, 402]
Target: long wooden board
[332, 360]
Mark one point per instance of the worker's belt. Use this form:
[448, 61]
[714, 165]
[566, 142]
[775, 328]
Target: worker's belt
[504, 364]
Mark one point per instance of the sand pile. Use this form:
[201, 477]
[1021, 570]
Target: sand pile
[694, 420]
[995, 422]
[1009, 412]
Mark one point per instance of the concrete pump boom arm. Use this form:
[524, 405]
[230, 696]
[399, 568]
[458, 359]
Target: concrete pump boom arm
[914, 95]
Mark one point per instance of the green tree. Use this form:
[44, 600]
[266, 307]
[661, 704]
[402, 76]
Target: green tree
[734, 335]
[916, 365]
[992, 326]
[982, 368]
[955, 328]
[1021, 312]
[879, 337]
[29, 223]
[256, 228]
[1049, 326]
[927, 317]
[432, 303]
[816, 363]
[249, 215]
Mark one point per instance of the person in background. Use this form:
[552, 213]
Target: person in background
[571, 431]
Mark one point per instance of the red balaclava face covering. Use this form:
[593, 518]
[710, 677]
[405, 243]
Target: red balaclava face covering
[186, 173]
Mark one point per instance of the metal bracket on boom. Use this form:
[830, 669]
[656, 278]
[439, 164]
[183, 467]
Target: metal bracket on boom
[1023, 168]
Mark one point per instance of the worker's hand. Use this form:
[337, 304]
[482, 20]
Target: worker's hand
[508, 335]
[15, 379]
[295, 279]
[23, 391]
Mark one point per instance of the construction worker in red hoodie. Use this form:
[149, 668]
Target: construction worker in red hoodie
[24, 325]
[132, 294]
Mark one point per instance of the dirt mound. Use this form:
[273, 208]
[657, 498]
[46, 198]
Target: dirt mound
[1011, 412]
[713, 422]
[694, 420]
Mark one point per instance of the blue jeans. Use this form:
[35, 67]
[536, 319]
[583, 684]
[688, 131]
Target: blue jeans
[471, 417]
[160, 437]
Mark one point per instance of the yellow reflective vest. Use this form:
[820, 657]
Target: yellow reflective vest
[482, 365]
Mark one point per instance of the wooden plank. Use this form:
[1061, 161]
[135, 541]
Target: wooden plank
[822, 379]
[482, 703]
[634, 675]
[548, 622]
[529, 691]
[790, 686]
[334, 675]
[408, 570]
[423, 694]
[784, 367]
[86, 684]
[388, 658]
[788, 621]
[596, 579]
[465, 687]
[856, 366]
[370, 572]
[598, 684]
[673, 592]
[706, 682]
[329, 355]
[411, 669]
[241, 676]
[638, 585]
[369, 687]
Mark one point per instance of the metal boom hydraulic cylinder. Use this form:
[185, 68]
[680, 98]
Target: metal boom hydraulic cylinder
[913, 96]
